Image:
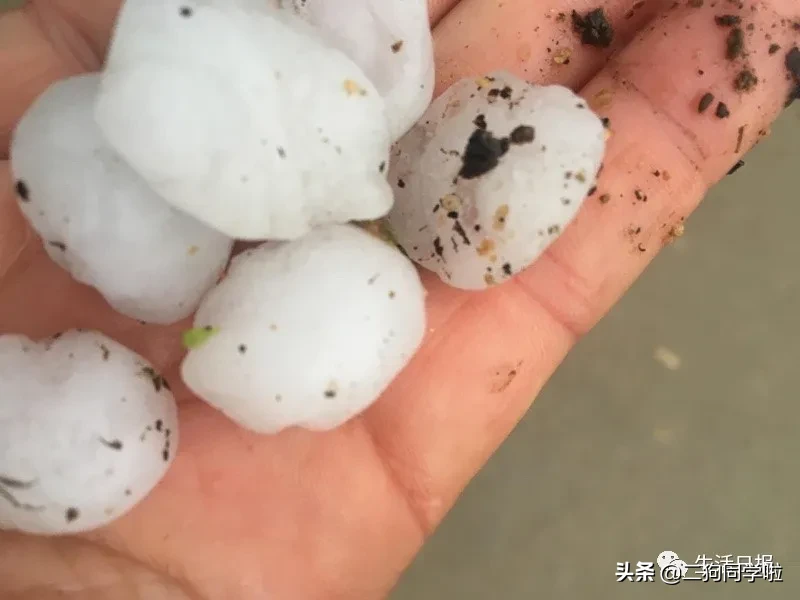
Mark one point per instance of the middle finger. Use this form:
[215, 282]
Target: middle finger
[537, 43]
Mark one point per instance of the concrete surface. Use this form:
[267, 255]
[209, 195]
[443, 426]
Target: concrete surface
[621, 457]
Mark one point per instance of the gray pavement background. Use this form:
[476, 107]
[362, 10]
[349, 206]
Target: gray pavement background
[621, 457]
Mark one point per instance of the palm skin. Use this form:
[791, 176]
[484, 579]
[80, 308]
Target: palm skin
[341, 514]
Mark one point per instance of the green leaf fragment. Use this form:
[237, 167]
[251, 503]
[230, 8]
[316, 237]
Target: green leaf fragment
[197, 336]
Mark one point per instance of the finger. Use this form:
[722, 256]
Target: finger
[534, 40]
[664, 153]
[464, 392]
[37, 47]
[15, 235]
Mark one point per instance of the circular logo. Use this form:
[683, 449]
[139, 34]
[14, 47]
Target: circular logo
[673, 569]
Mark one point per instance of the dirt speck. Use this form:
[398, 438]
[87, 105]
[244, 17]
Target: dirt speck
[706, 101]
[727, 20]
[485, 248]
[562, 56]
[499, 217]
[482, 154]
[352, 88]
[722, 112]
[739, 164]
[745, 81]
[734, 44]
[594, 28]
[503, 378]
[524, 134]
[22, 191]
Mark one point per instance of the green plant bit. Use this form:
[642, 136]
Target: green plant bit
[197, 336]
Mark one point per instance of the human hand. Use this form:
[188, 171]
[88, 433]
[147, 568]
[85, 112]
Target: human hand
[340, 514]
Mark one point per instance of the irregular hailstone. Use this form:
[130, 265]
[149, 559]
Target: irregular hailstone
[99, 220]
[240, 115]
[491, 176]
[306, 333]
[391, 41]
[87, 429]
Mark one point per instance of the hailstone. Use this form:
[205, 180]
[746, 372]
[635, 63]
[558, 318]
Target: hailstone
[306, 333]
[242, 116]
[491, 175]
[391, 41]
[87, 429]
[99, 219]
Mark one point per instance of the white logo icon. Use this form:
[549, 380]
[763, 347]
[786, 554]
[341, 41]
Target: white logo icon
[673, 569]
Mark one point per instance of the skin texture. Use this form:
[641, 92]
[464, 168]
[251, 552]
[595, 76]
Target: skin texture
[340, 515]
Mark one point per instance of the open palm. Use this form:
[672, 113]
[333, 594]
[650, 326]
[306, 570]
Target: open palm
[339, 515]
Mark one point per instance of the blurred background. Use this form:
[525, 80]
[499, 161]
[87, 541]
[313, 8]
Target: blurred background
[672, 426]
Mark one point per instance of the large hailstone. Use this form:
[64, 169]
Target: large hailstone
[391, 41]
[240, 115]
[490, 177]
[99, 220]
[306, 333]
[87, 429]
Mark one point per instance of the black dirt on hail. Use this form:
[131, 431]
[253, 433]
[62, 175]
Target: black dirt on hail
[484, 150]
[482, 154]
[594, 28]
[524, 134]
[21, 189]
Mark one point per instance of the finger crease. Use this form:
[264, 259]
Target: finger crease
[67, 41]
[674, 125]
[421, 520]
[6, 266]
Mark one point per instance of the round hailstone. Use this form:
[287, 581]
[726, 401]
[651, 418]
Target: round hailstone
[391, 41]
[99, 220]
[87, 429]
[491, 175]
[240, 115]
[306, 333]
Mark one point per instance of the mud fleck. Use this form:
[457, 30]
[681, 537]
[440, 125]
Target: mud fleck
[594, 28]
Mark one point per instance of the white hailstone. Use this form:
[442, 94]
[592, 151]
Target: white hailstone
[492, 174]
[391, 41]
[87, 429]
[99, 220]
[240, 115]
[306, 333]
